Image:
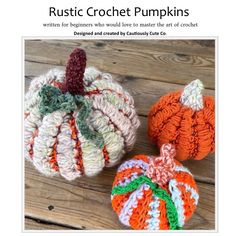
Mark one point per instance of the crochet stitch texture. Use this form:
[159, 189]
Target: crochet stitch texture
[186, 119]
[154, 193]
[78, 121]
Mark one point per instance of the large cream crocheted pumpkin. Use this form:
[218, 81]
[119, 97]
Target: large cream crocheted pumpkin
[78, 121]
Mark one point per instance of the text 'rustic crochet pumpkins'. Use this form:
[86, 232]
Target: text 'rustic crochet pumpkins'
[187, 119]
[78, 121]
[154, 193]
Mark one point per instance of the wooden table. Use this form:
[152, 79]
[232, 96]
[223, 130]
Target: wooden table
[147, 69]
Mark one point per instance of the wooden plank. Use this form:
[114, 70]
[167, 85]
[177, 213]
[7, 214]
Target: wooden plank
[204, 217]
[145, 93]
[188, 47]
[85, 203]
[131, 59]
[36, 224]
[73, 205]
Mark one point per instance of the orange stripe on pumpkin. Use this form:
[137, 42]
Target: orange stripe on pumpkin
[164, 224]
[126, 173]
[106, 155]
[53, 160]
[141, 157]
[140, 213]
[189, 206]
[185, 178]
[118, 201]
[78, 150]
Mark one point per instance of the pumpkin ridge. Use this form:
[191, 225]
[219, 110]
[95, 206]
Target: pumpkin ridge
[186, 140]
[171, 98]
[31, 123]
[77, 148]
[210, 118]
[195, 149]
[96, 91]
[31, 150]
[124, 132]
[140, 213]
[53, 160]
[106, 155]
[161, 124]
[163, 128]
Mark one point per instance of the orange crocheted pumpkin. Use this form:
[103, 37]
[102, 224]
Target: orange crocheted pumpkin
[187, 119]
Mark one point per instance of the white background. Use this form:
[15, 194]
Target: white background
[24, 18]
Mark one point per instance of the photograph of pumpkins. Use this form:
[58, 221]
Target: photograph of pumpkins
[119, 135]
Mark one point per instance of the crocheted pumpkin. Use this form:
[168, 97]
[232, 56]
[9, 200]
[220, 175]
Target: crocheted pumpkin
[187, 119]
[154, 193]
[78, 121]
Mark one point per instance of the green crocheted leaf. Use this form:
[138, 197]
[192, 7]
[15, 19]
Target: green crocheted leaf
[171, 211]
[85, 130]
[52, 99]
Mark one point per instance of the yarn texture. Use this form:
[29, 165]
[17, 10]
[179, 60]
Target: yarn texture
[77, 121]
[186, 119]
[154, 193]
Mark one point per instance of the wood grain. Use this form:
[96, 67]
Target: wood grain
[85, 203]
[145, 93]
[37, 224]
[188, 47]
[125, 57]
[54, 203]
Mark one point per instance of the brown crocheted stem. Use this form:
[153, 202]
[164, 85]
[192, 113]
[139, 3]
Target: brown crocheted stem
[75, 68]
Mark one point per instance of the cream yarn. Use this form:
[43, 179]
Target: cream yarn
[55, 144]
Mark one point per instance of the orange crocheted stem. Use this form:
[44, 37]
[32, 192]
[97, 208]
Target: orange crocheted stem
[161, 169]
[192, 132]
